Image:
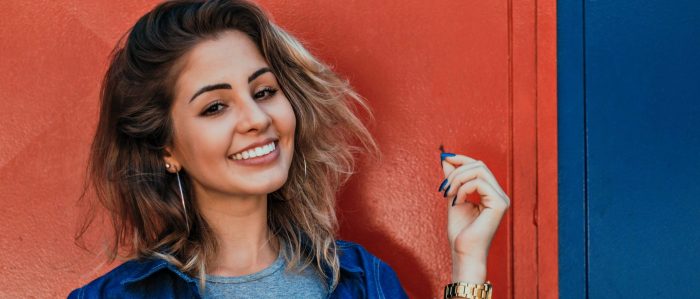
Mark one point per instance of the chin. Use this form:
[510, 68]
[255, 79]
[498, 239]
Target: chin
[280, 182]
[273, 184]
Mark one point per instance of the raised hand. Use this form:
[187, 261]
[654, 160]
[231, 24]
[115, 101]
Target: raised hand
[471, 225]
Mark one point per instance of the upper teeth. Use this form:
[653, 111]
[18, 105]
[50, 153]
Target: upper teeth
[256, 152]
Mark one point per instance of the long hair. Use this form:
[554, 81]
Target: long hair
[126, 166]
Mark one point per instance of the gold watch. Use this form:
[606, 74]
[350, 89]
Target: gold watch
[468, 290]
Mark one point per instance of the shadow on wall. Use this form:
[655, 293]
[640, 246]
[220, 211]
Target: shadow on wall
[357, 226]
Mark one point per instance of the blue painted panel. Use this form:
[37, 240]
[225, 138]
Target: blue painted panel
[642, 93]
[571, 122]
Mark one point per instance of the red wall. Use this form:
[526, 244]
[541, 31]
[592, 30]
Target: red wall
[478, 76]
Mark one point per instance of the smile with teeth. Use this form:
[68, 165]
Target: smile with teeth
[256, 152]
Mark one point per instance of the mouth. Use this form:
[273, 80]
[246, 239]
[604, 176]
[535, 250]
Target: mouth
[256, 153]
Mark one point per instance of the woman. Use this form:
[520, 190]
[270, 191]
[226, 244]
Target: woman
[220, 145]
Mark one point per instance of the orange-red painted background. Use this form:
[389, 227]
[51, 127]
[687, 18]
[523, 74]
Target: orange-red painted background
[478, 76]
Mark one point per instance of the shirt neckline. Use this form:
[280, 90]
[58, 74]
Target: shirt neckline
[269, 270]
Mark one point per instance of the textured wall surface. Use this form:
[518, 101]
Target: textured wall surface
[462, 73]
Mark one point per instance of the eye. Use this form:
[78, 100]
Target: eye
[212, 108]
[267, 90]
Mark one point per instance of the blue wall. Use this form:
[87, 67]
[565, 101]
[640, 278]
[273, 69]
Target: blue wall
[629, 148]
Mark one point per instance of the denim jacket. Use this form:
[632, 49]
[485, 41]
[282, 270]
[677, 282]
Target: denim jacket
[362, 275]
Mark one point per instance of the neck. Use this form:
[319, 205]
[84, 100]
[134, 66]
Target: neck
[245, 243]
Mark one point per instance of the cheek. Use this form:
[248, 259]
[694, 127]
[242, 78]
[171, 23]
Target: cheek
[287, 119]
[205, 142]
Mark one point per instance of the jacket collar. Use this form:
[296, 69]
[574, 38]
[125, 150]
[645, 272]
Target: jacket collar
[141, 270]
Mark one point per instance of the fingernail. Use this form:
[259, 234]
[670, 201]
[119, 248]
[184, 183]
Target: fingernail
[454, 200]
[445, 155]
[442, 185]
[448, 190]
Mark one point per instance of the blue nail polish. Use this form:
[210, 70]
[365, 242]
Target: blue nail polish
[448, 190]
[442, 185]
[445, 155]
[454, 200]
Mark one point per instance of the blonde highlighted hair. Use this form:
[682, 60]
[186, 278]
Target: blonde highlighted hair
[127, 171]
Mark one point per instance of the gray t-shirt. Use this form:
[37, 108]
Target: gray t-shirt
[271, 282]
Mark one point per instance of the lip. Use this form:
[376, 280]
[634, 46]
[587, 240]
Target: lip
[254, 145]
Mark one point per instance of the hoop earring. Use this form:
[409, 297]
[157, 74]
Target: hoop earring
[182, 197]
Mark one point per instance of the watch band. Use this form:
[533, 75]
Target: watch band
[468, 290]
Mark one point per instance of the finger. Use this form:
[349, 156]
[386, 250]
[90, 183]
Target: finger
[461, 160]
[457, 178]
[490, 198]
[459, 170]
[493, 180]
[471, 184]
[458, 160]
[480, 170]
[447, 168]
[486, 174]
[495, 202]
[463, 192]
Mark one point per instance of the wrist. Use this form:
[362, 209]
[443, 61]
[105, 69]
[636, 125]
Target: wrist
[469, 270]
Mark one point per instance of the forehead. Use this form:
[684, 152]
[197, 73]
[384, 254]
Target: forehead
[229, 57]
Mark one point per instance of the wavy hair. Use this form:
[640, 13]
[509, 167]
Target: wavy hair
[126, 166]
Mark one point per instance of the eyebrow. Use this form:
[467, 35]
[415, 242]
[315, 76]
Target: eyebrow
[226, 85]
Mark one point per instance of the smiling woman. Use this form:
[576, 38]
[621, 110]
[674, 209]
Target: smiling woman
[220, 146]
[212, 152]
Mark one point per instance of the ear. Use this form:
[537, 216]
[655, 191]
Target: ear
[169, 160]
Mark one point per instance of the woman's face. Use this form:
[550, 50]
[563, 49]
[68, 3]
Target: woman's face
[228, 107]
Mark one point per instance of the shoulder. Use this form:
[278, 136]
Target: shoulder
[354, 254]
[345, 244]
[109, 280]
[116, 283]
[354, 257]
[380, 279]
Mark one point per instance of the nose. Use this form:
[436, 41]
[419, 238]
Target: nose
[252, 116]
